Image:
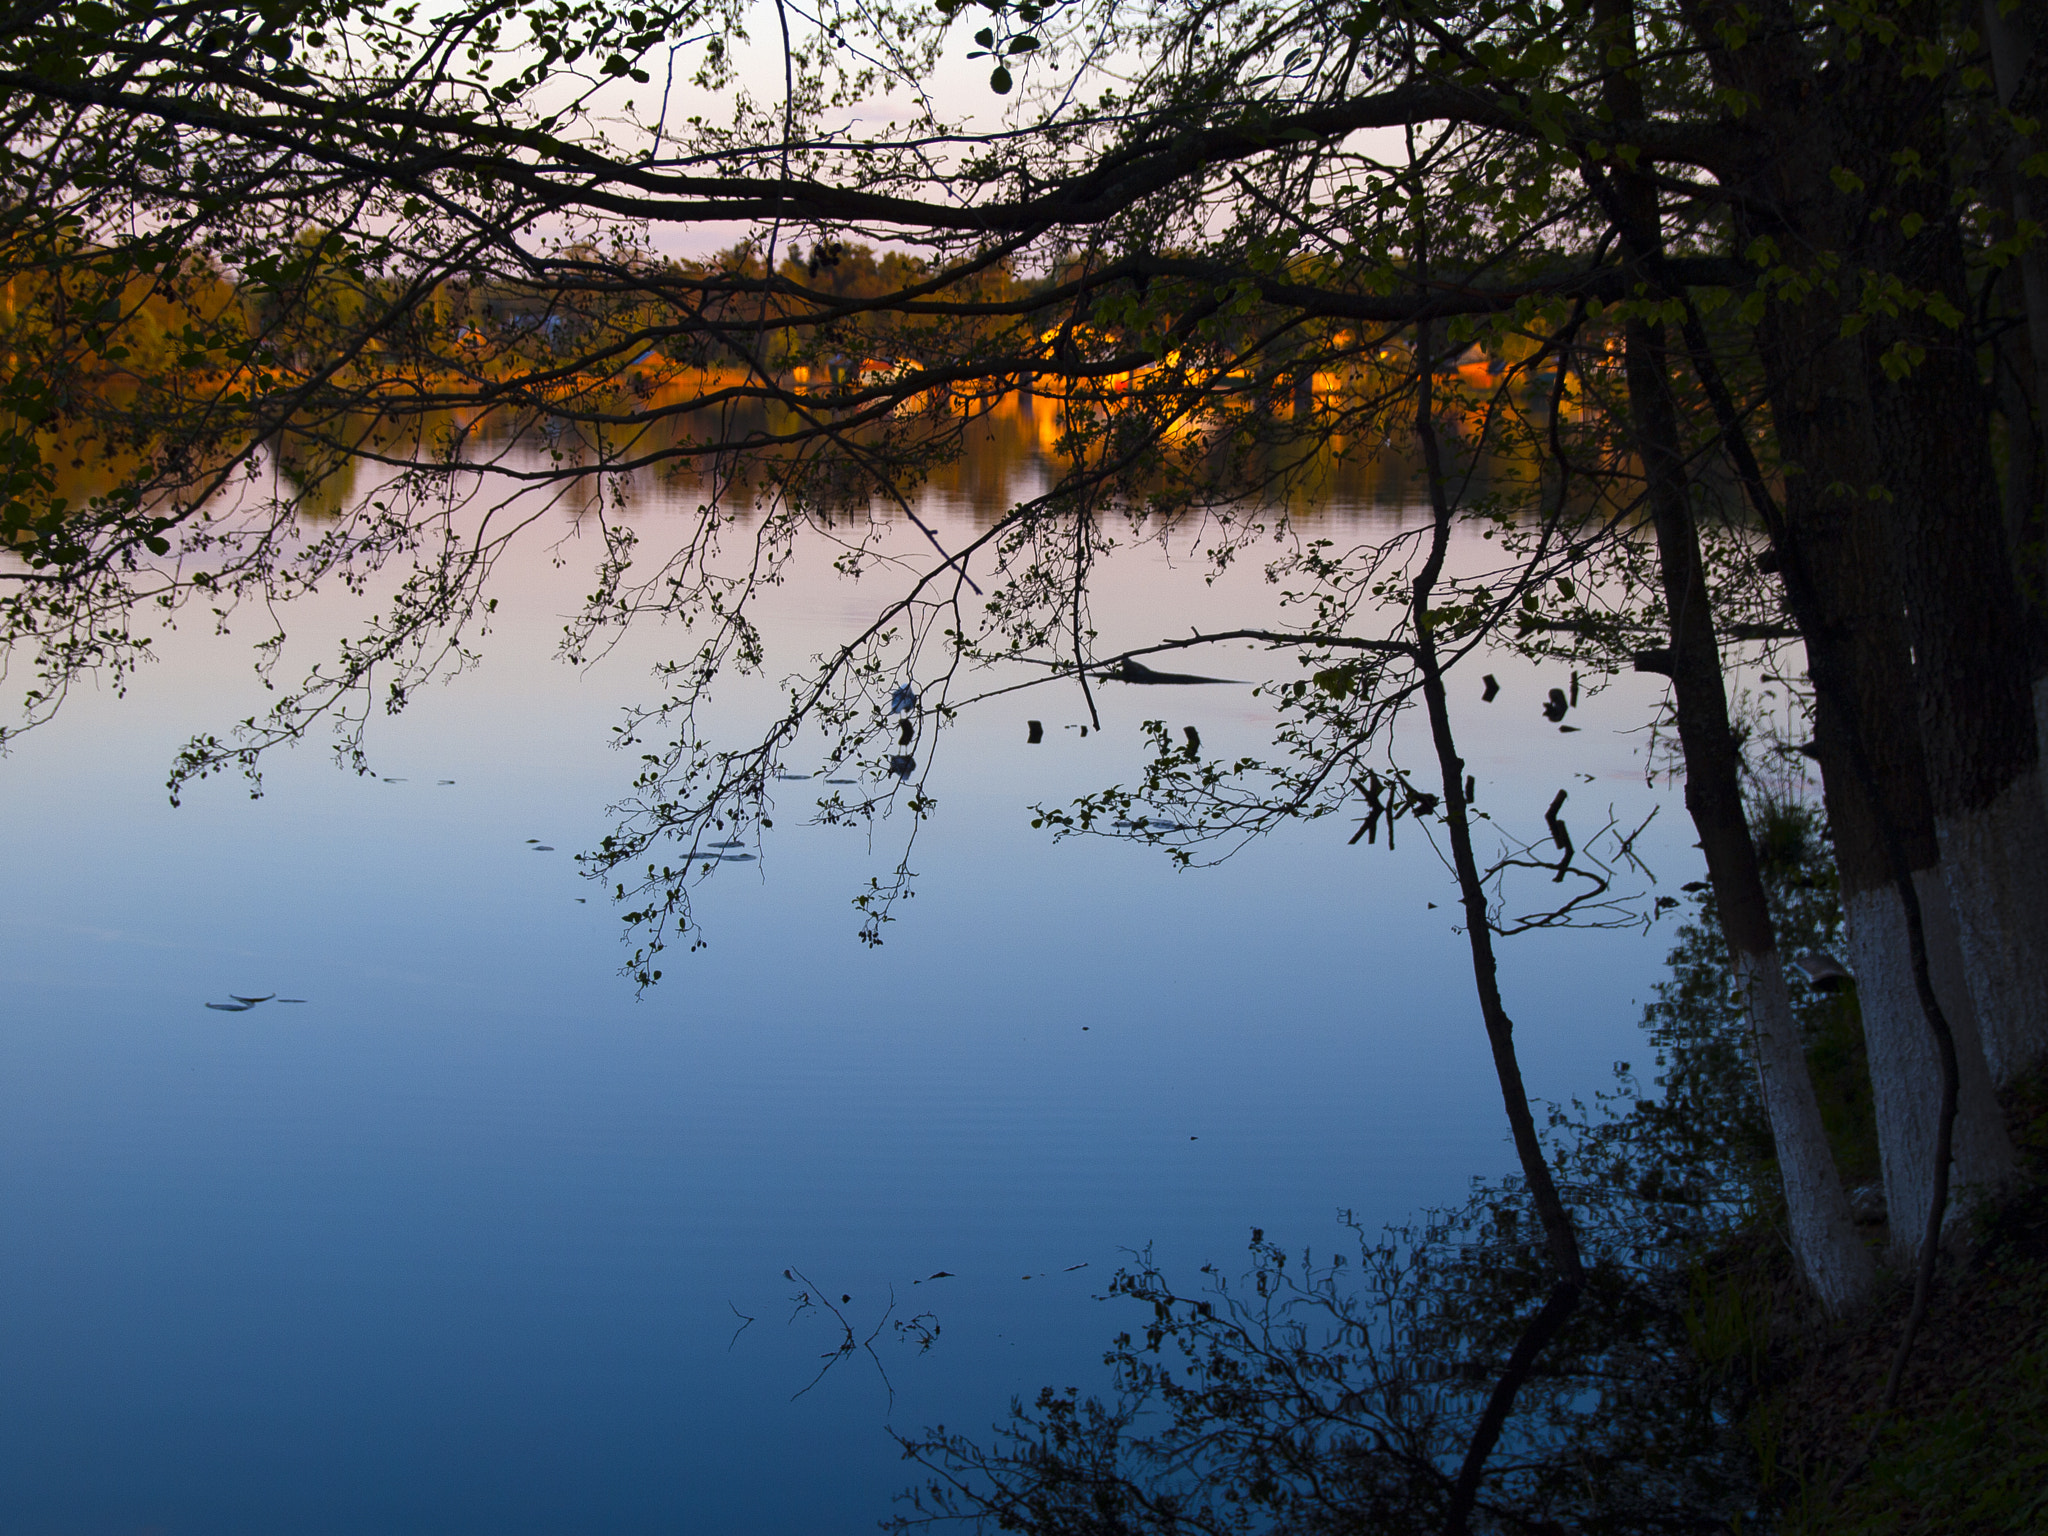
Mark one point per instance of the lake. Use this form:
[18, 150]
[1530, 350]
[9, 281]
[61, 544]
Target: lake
[475, 1239]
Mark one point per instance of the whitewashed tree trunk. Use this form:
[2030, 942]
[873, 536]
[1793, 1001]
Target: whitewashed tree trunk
[1824, 1240]
[1995, 863]
[1971, 664]
[1905, 1073]
[1832, 1257]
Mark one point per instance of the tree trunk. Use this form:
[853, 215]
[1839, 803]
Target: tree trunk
[1561, 1236]
[2022, 361]
[1832, 1257]
[1905, 1070]
[1849, 553]
[1971, 656]
[1835, 531]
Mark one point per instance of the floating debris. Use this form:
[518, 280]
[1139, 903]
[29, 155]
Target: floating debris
[1036, 732]
[444, 781]
[231, 1007]
[1566, 730]
[1194, 738]
[1554, 708]
[736, 858]
[903, 700]
[906, 734]
[842, 781]
[730, 842]
[1492, 689]
[903, 765]
[543, 847]
[398, 781]
[1072, 1267]
[252, 1001]
[795, 777]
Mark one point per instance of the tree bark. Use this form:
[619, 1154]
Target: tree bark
[1971, 657]
[2022, 361]
[1836, 1264]
[1832, 1257]
[1834, 531]
[1849, 554]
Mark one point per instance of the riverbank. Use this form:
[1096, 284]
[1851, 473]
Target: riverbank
[1967, 1447]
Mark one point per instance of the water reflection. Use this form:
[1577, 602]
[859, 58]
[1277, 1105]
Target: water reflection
[1011, 451]
[1009, 447]
[463, 1248]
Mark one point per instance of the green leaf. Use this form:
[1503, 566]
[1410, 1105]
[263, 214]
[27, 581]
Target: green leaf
[999, 81]
[1942, 310]
[1338, 682]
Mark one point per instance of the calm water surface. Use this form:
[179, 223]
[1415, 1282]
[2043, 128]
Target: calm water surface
[468, 1241]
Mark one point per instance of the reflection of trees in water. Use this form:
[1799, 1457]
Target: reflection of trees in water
[1338, 1394]
[1008, 451]
[319, 474]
